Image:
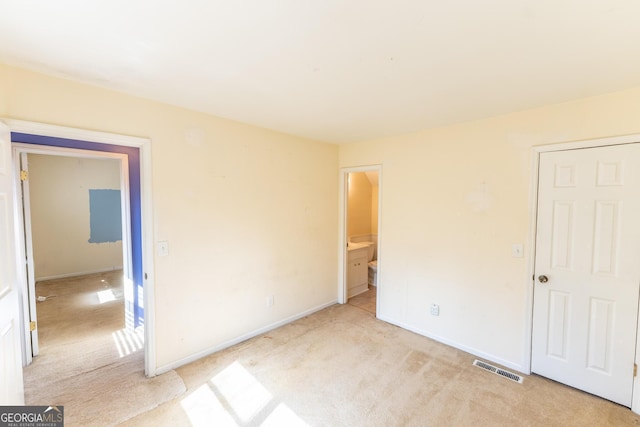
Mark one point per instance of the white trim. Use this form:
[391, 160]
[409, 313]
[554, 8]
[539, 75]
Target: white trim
[342, 230]
[79, 273]
[55, 131]
[24, 217]
[531, 262]
[454, 344]
[342, 239]
[144, 146]
[587, 143]
[533, 209]
[192, 358]
[21, 271]
[30, 343]
[146, 213]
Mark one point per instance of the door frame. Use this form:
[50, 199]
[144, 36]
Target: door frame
[24, 223]
[533, 212]
[342, 229]
[144, 148]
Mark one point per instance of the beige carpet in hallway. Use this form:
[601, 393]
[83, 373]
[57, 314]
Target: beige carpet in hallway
[87, 361]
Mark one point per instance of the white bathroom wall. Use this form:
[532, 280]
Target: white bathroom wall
[59, 195]
[454, 201]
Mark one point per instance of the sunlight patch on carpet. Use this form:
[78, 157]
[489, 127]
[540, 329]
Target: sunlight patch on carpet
[235, 397]
[105, 296]
[241, 391]
[283, 416]
[128, 342]
[203, 408]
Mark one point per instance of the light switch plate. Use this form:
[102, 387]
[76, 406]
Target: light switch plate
[517, 250]
[162, 248]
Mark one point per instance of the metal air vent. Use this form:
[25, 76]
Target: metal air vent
[506, 374]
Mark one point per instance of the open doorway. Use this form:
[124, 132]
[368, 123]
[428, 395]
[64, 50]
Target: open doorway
[87, 318]
[135, 166]
[361, 237]
[75, 217]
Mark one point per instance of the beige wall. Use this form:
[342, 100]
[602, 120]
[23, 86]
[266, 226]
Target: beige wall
[359, 204]
[59, 195]
[247, 212]
[4, 80]
[237, 205]
[362, 208]
[454, 201]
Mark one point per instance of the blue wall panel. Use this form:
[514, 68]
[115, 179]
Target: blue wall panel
[105, 219]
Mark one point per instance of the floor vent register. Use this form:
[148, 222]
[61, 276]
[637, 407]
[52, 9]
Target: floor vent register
[506, 374]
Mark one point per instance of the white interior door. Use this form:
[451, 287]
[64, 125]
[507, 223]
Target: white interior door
[34, 347]
[587, 269]
[11, 384]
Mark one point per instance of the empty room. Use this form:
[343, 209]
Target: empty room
[326, 213]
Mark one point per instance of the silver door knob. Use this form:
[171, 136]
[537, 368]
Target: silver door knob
[543, 279]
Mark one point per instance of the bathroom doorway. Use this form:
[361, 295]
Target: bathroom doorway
[360, 237]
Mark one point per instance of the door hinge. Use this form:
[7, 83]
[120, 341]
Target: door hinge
[32, 326]
[635, 370]
[24, 175]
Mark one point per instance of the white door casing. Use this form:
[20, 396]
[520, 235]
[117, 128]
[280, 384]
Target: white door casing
[25, 220]
[144, 146]
[11, 382]
[588, 245]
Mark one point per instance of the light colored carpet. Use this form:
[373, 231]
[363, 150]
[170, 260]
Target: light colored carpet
[338, 367]
[342, 367]
[108, 395]
[87, 362]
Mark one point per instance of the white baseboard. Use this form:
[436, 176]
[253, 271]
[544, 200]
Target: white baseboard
[489, 357]
[80, 273]
[199, 355]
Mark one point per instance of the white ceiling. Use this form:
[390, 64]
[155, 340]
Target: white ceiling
[334, 70]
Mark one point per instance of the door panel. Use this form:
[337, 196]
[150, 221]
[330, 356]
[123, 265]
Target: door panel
[588, 245]
[559, 303]
[11, 385]
[562, 237]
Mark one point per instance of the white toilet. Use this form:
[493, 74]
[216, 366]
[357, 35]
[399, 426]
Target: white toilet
[371, 241]
[373, 273]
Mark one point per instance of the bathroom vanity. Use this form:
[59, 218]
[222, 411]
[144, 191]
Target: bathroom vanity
[357, 270]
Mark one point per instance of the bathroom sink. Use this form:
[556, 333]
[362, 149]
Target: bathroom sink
[352, 246]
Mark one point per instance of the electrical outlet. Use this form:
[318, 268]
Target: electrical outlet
[435, 310]
[270, 301]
